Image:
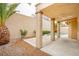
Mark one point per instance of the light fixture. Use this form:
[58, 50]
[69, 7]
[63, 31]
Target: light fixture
[55, 22]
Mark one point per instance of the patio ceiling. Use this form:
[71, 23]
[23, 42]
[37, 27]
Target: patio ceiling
[62, 10]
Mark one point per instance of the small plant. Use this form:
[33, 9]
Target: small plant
[34, 33]
[45, 32]
[23, 33]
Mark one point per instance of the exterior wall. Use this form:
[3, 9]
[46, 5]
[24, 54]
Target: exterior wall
[17, 22]
[78, 29]
[46, 25]
[73, 28]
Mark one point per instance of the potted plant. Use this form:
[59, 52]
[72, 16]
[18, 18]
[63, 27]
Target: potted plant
[6, 10]
[23, 33]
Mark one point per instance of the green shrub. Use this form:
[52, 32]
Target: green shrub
[46, 32]
[23, 33]
[34, 32]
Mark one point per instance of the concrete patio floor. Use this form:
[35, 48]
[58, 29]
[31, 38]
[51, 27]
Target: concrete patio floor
[59, 47]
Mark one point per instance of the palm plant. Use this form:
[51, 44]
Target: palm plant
[6, 10]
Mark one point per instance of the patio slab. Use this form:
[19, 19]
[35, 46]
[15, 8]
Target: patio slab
[59, 47]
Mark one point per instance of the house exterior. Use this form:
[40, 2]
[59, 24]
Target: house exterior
[57, 12]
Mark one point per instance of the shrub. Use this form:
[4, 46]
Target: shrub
[46, 32]
[34, 32]
[23, 33]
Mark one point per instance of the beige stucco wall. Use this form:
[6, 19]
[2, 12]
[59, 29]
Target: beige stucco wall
[17, 22]
[78, 28]
[46, 25]
[73, 28]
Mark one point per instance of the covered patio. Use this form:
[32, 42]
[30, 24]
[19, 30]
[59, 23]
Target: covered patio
[57, 13]
[56, 44]
[59, 47]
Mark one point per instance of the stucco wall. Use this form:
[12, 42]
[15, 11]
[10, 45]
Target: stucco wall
[17, 22]
[73, 28]
[78, 28]
[46, 25]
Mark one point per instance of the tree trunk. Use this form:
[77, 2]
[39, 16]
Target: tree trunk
[4, 35]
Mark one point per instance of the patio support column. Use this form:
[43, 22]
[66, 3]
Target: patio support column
[58, 29]
[39, 30]
[53, 29]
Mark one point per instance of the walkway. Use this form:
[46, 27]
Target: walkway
[21, 48]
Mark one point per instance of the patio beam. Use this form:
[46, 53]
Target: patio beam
[53, 29]
[39, 30]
